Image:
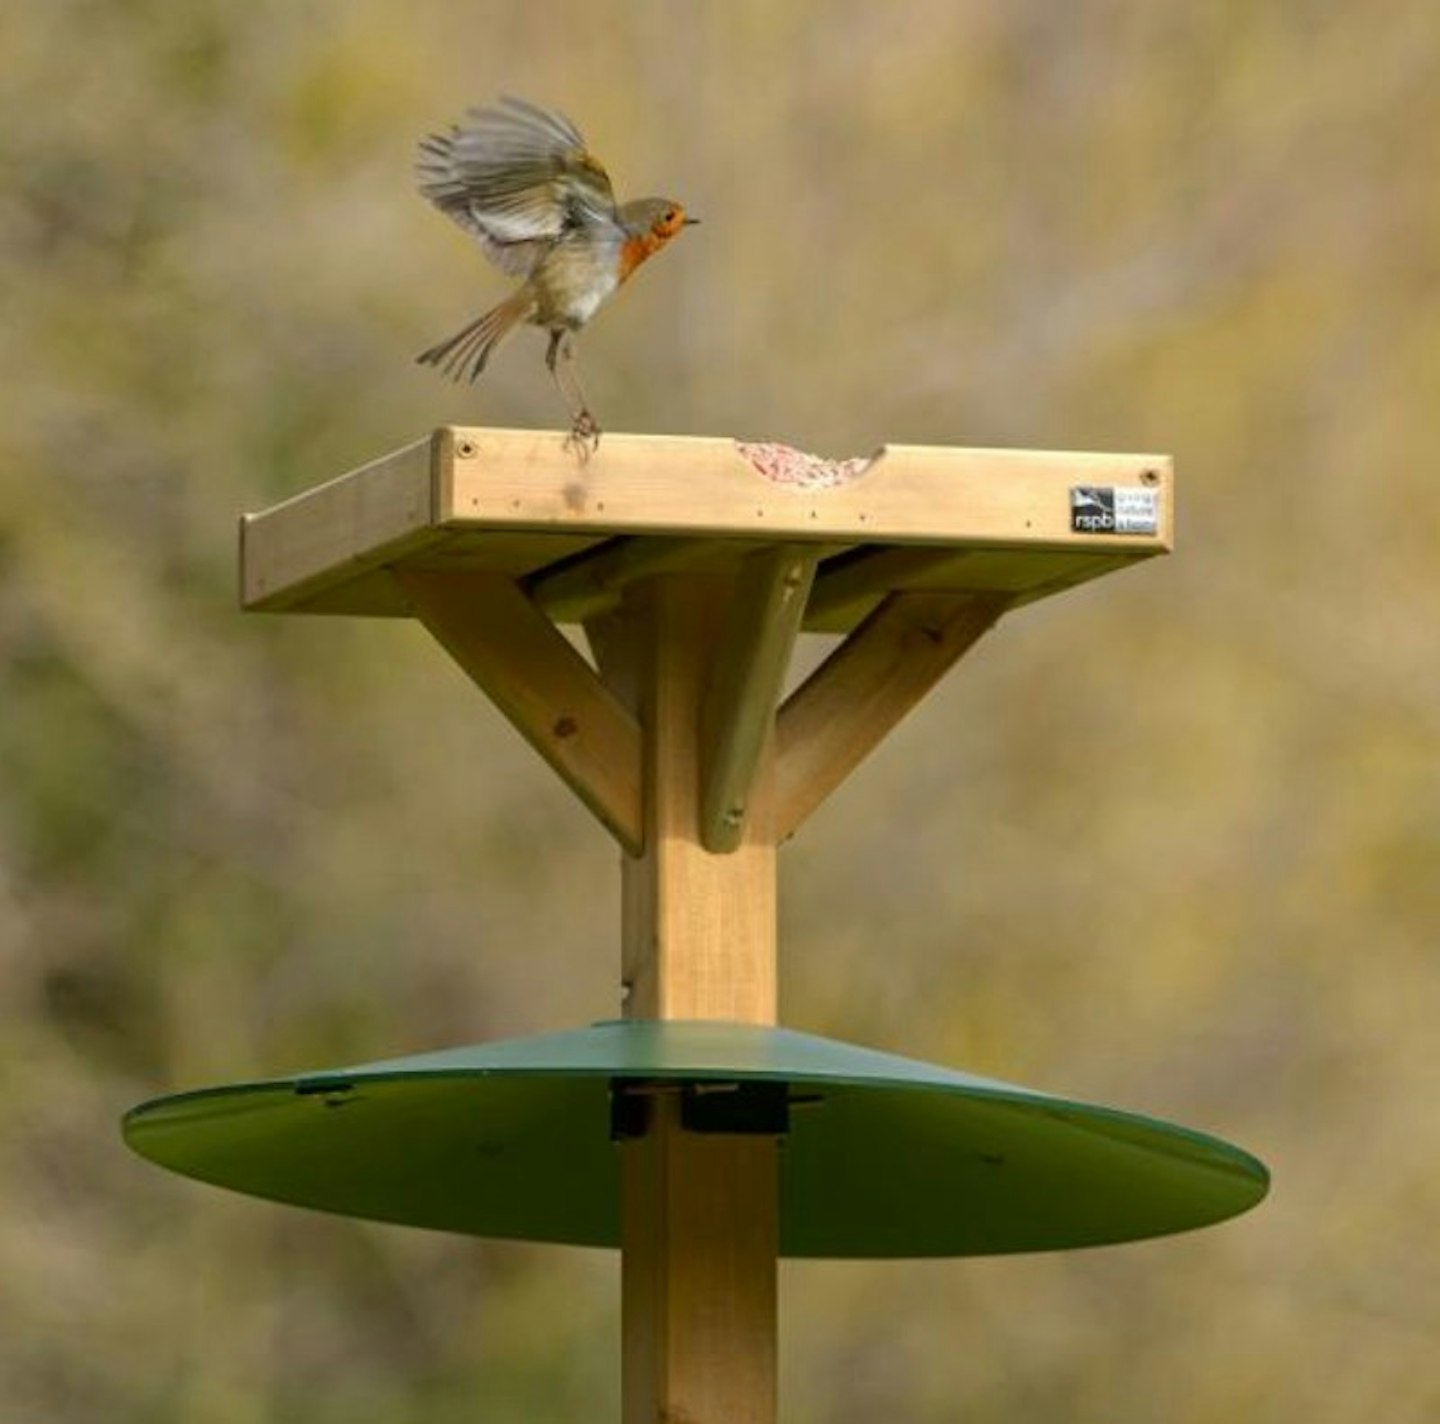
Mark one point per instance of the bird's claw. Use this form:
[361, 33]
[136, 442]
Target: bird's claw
[584, 436]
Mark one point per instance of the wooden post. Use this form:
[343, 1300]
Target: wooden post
[700, 1226]
[698, 1296]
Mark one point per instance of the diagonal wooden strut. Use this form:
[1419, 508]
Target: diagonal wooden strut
[552, 696]
[744, 690]
[844, 710]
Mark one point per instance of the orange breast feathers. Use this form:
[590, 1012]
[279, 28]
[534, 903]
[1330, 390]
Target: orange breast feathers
[665, 219]
[634, 250]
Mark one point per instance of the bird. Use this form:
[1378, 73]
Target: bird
[520, 180]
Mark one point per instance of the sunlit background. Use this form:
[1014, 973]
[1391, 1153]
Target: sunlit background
[1171, 841]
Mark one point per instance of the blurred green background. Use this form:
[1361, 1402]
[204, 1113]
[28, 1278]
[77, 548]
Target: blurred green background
[1169, 841]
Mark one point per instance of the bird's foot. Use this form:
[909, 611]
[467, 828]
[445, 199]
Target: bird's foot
[584, 436]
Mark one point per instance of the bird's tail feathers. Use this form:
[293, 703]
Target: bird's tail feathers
[463, 356]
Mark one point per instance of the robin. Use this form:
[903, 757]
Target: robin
[520, 181]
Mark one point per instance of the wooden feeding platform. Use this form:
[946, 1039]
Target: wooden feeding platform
[909, 519]
[692, 565]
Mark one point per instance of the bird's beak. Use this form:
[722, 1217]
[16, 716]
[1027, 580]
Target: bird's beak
[690, 222]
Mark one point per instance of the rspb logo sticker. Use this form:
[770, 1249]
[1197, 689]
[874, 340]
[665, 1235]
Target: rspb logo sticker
[1114, 509]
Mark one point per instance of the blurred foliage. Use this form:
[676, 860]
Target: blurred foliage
[1170, 842]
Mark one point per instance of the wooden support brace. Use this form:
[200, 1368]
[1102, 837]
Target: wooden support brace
[582, 588]
[862, 580]
[739, 711]
[552, 696]
[846, 707]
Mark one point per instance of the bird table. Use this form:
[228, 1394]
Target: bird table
[694, 1133]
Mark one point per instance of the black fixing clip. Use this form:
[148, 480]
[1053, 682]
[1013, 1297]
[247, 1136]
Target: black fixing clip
[740, 1109]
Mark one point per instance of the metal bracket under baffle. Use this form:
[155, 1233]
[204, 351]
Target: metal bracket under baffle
[742, 1109]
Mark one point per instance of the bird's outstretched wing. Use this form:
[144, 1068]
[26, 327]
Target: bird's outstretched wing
[515, 177]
